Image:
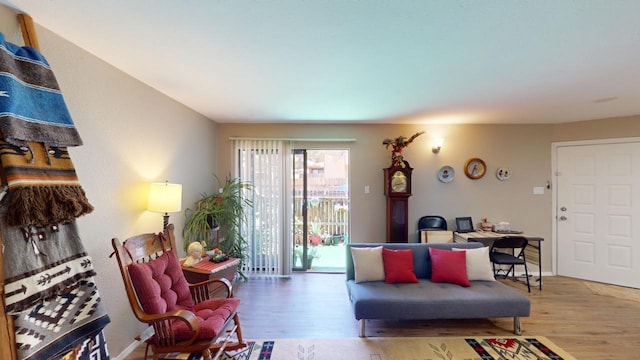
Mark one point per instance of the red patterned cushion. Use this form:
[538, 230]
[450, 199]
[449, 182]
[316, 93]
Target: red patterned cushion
[211, 316]
[398, 266]
[161, 285]
[449, 266]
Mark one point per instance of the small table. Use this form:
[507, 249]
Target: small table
[487, 238]
[205, 270]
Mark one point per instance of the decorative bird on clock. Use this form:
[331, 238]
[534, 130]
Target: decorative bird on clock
[398, 144]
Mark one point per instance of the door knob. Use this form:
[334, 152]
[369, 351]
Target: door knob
[563, 209]
[563, 218]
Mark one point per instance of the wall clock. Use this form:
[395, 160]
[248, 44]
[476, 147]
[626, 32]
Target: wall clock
[475, 168]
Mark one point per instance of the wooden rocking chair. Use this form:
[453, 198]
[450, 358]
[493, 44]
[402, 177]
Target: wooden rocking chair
[183, 316]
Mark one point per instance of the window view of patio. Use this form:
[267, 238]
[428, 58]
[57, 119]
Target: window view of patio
[322, 227]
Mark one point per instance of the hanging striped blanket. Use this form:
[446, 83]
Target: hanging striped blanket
[40, 263]
[43, 185]
[31, 104]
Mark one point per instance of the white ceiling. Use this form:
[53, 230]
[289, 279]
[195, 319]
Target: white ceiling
[384, 61]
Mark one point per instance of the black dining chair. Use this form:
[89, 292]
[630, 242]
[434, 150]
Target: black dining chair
[432, 222]
[499, 256]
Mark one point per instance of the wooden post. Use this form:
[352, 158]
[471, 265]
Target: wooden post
[28, 31]
[7, 332]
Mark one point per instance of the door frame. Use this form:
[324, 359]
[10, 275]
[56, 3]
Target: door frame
[304, 265]
[554, 189]
[304, 149]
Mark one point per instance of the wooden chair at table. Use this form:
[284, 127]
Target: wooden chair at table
[517, 245]
[183, 316]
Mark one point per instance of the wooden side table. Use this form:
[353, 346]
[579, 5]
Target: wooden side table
[205, 270]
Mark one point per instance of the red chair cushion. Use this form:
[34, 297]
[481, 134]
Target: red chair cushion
[211, 315]
[160, 285]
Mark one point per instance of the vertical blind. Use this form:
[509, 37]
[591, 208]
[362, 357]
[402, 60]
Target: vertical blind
[264, 164]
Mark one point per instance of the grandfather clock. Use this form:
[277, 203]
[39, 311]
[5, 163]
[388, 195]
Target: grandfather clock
[397, 188]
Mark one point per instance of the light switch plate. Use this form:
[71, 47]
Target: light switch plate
[538, 190]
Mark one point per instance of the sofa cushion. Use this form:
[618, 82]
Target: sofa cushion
[429, 300]
[449, 266]
[368, 264]
[398, 266]
[478, 264]
[421, 258]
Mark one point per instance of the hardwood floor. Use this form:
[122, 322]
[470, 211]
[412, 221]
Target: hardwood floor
[566, 311]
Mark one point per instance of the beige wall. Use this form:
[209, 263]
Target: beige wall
[598, 129]
[133, 136]
[525, 149]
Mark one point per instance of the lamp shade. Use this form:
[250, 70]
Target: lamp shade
[165, 197]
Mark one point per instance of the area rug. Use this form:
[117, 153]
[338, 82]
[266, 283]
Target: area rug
[426, 348]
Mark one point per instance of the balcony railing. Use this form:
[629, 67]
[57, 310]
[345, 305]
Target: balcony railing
[327, 215]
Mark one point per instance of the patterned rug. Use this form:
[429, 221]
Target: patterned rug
[432, 348]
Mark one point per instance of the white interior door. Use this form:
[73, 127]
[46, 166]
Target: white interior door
[598, 212]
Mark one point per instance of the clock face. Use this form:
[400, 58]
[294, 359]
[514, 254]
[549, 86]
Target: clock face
[475, 168]
[399, 182]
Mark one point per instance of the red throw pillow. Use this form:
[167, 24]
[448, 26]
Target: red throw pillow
[398, 266]
[449, 266]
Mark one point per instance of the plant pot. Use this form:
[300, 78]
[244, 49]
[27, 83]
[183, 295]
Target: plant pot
[315, 240]
[211, 221]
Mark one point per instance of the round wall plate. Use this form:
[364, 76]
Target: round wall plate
[475, 168]
[446, 173]
[503, 174]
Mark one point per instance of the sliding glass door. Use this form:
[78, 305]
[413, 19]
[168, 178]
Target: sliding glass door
[300, 214]
[320, 209]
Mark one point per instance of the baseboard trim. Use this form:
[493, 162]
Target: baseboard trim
[128, 350]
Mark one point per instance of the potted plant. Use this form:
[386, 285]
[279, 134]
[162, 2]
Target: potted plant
[312, 253]
[215, 219]
[315, 232]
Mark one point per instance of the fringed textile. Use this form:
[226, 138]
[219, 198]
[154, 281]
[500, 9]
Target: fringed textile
[40, 263]
[43, 185]
[31, 104]
[58, 326]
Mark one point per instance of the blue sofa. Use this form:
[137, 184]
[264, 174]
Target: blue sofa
[427, 300]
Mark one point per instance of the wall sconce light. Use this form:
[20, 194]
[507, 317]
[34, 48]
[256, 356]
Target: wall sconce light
[165, 198]
[437, 145]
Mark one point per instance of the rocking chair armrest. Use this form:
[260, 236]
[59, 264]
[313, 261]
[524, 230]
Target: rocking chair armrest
[183, 315]
[203, 287]
[158, 322]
